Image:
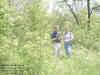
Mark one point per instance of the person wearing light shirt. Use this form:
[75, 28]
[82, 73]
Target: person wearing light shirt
[67, 38]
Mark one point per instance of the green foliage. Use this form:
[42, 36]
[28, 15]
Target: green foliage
[4, 17]
[25, 40]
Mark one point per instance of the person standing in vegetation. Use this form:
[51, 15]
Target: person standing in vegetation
[67, 38]
[56, 37]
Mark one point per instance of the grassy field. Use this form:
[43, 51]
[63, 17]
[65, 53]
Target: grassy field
[82, 62]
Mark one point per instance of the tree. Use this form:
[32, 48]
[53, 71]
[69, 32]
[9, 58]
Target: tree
[88, 8]
[71, 10]
[4, 17]
[90, 11]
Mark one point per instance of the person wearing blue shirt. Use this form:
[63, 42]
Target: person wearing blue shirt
[56, 37]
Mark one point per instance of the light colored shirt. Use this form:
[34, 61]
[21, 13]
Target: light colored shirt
[68, 36]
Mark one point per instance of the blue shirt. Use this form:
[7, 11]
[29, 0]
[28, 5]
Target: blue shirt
[54, 35]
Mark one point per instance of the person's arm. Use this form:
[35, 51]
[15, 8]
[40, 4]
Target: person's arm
[64, 39]
[72, 37]
[58, 37]
[53, 37]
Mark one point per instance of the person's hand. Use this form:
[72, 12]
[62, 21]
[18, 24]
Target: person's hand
[58, 37]
[67, 40]
[54, 38]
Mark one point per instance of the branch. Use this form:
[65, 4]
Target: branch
[72, 11]
[65, 1]
[94, 9]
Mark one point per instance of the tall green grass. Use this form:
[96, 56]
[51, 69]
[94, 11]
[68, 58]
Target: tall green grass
[82, 62]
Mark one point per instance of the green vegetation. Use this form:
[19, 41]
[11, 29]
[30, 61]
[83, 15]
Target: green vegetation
[25, 40]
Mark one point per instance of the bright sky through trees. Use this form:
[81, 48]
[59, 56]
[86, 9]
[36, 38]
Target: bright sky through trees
[53, 4]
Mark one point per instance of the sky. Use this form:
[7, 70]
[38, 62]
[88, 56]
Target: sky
[54, 6]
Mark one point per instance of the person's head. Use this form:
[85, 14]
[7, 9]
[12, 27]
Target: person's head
[57, 28]
[67, 29]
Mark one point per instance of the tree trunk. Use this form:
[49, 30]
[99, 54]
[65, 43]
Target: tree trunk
[88, 8]
[72, 11]
[75, 16]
